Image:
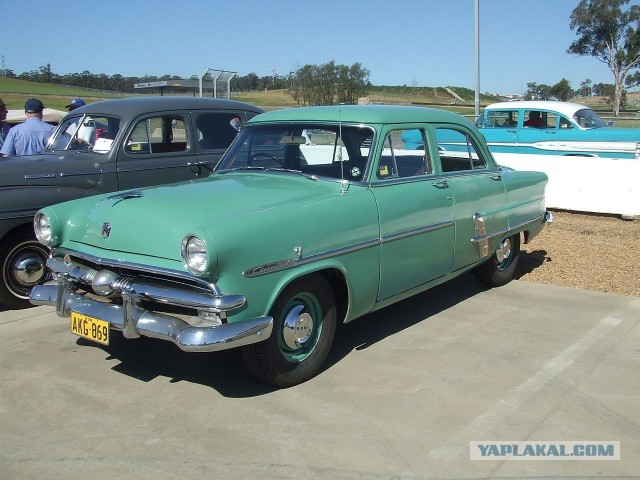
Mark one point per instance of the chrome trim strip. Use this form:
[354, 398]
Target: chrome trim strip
[18, 214]
[105, 262]
[339, 251]
[291, 263]
[416, 231]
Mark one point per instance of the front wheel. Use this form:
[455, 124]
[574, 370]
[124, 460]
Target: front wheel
[304, 324]
[500, 269]
[23, 263]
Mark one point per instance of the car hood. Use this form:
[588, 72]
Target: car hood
[153, 221]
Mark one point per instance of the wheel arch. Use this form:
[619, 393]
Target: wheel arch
[334, 275]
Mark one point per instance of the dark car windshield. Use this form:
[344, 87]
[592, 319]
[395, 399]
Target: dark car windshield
[89, 132]
[587, 118]
[335, 151]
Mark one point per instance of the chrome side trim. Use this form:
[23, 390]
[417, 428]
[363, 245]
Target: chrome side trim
[416, 231]
[291, 263]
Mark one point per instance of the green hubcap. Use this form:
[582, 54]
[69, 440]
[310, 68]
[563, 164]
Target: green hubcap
[300, 328]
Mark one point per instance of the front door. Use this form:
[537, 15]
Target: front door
[416, 216]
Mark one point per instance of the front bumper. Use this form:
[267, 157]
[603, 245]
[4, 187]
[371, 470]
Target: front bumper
[134, 320]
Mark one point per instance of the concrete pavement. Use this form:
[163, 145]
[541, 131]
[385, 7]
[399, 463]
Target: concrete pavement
[404, 392]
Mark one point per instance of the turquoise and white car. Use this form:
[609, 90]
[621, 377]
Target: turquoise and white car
[554, 128]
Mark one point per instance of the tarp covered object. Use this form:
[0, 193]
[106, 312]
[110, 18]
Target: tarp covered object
[50, 115]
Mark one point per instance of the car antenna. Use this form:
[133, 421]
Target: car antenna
[342, 182]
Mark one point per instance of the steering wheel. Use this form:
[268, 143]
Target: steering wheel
[267, 155]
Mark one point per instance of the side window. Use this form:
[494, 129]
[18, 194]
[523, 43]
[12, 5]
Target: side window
[457, 151]
[404, 154]
[165, 134]
[565, 123]
[551, 120]
[501, 119]
[215, 131]
[535, 119]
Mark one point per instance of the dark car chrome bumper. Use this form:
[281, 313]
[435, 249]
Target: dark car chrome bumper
[135, 321]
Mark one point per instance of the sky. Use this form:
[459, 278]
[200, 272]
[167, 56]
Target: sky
[402, 42]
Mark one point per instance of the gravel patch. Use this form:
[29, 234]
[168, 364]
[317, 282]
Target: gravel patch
[589, 252]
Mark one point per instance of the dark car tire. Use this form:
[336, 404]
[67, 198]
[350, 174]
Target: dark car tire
[21, 248]
[495, 273]
[304, 324]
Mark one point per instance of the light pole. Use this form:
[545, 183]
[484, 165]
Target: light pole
[477, 111]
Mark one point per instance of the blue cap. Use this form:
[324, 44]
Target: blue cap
[76, 103]
[33, 105]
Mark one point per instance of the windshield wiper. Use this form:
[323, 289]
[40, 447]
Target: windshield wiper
[229, 170]
[266, 169]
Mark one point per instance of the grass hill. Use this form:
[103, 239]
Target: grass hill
[14, 92]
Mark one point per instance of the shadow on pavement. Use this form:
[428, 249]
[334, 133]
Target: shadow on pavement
[147, 358]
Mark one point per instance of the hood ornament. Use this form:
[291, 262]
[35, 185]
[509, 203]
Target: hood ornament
[106, 230]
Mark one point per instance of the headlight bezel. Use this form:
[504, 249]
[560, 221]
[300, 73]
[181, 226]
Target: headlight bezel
[46, 229]
[195, 255]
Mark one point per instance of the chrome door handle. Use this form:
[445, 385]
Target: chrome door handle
[442, 184]
[496, 177]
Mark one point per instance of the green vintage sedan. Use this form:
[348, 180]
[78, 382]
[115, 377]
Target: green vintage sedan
[313, 216]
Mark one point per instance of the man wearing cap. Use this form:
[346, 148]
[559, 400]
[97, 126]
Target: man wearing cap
[32, 135]
[75, 103]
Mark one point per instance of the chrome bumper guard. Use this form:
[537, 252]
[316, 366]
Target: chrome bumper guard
[134, 321]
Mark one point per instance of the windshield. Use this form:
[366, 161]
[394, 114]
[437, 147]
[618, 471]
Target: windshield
[86, 133]
[587, 118]
[334, 151]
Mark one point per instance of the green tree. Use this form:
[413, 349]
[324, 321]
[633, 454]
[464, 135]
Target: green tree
[585, 88]
[328, 84]
[611, 34]
[561, 90]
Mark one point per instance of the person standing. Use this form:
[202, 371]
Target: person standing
[32, 135]
[4, 128]
[75, 103]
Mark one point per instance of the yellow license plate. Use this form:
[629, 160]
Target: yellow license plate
[90, 328]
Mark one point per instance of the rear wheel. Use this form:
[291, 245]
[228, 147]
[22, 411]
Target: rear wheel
[500, 269]
[23, 262]
[304, 324]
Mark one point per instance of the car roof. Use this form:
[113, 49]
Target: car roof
[566, 108]
[366, 114]
[134, 106]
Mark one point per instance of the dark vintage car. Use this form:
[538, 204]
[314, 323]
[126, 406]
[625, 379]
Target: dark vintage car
[103, 147]
[313, 217]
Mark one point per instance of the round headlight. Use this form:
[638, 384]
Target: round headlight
[194, 255]
[43, 229]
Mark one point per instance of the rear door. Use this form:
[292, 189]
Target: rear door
[477, 189]
[540, 139]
